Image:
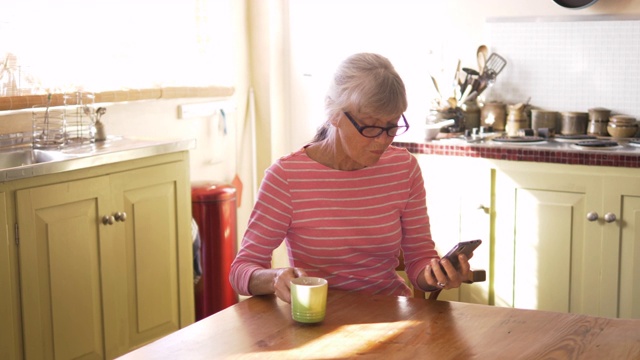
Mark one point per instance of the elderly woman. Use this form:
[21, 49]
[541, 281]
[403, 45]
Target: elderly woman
[347, 203]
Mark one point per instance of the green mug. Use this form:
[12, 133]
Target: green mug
[308, 299]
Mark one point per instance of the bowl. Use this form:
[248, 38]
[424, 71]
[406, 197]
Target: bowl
[431, 131]
[622, 131]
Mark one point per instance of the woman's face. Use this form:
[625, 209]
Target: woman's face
[363, 150]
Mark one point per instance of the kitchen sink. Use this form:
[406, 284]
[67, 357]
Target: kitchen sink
[22, 157]
[24, 161]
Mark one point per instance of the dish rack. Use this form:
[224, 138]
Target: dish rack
[80, 117]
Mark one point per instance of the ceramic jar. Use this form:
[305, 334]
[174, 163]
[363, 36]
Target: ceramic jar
[598, 120]
[545, 119]
[574, 123]
[516, 120]
[493, 114]
[471, 112]
[622, 126]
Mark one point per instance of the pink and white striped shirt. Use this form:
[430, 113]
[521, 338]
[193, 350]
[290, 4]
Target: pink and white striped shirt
[345, 226]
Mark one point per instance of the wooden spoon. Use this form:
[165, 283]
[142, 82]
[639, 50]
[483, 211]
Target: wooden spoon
[482, 55]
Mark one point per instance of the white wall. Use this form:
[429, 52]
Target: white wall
[419, 37]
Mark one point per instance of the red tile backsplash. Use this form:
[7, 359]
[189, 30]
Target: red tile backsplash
[550, 155]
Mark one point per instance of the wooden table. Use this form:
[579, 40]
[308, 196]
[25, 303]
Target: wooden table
[396, 328]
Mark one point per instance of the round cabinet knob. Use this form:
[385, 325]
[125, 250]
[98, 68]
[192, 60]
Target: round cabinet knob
[609, 217]
[120, 216]
[592, 216]
[107, 220]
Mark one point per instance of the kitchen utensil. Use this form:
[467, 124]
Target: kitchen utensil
[482, 54]
[435, 84]
[495, 64]
[457, 81]
[575, 4]
[471, 75]
[465, 94]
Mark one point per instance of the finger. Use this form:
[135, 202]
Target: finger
[449, 272]
[438, 274]
[282, 284]
[298, 272]
[464, 265]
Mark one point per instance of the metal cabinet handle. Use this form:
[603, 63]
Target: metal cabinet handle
[120, 216]
[609, 217]
[592, 216]
[484, 209]
[107, 220]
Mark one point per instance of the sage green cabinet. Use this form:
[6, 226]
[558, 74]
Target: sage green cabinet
[9, 317]
[621, 245]
[105, 259]
[567, 239]
[546, 252]
[557, 237]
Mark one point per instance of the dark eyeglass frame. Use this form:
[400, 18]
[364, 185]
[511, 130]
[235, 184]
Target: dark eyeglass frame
[392, 131]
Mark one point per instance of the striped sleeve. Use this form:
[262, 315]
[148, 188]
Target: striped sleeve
[267, 227]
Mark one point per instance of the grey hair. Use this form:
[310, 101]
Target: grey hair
[366, 83]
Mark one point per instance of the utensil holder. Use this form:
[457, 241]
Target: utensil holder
[80, 117]
[49, 130]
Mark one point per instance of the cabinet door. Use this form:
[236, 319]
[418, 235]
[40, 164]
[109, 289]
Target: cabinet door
[159, 291]
[9, 320]
[547, 254]
[621, 248]
[459, 203]
[66, 266]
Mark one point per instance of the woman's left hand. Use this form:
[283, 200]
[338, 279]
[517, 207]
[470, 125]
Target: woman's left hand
[441, 274]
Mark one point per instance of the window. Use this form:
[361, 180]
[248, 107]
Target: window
[56, 46]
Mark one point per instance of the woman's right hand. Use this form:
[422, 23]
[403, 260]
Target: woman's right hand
[282, 282]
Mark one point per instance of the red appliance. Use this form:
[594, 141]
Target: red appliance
[214, 210]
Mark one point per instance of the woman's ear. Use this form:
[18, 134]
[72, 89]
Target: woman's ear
[333, 120]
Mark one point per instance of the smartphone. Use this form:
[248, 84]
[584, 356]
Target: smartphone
[463, 247]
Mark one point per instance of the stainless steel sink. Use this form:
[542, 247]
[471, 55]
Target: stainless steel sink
[25, 162]
[23, 157]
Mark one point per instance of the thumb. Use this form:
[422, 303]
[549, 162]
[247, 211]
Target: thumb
[298, 272]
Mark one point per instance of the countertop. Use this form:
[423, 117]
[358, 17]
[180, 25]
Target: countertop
[114, 149]
[549, 151]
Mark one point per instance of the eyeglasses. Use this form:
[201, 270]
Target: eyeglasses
[375, 131]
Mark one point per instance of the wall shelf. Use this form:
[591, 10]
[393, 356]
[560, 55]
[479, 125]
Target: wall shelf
[27, 101]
